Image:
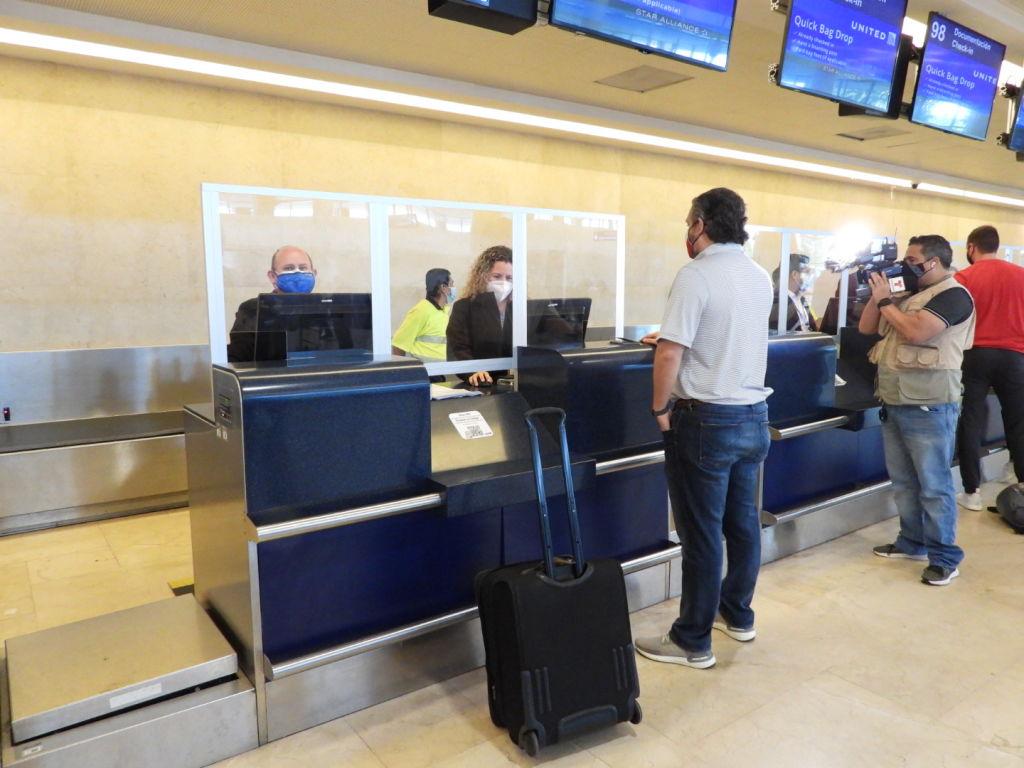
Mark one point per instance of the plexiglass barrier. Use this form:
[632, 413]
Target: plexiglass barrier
[573, 284]
[273, 243]
[456, 285]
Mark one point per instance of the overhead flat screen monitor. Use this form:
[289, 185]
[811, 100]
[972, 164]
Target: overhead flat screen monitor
[957, 79]
[1016, 142]
[843, 50]
[290, 325]
[694, 31]
[557, 322]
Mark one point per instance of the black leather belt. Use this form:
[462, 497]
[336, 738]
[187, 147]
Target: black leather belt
[686, 404]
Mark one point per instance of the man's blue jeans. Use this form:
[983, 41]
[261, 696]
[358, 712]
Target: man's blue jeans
[919, 442]
[712, 456]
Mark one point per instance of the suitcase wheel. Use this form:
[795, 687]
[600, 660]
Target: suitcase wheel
[529, 743]
[638, 714]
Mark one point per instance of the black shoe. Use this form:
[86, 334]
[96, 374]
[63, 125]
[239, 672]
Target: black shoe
[939, 576]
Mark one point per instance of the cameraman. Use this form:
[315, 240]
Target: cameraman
[924, 335]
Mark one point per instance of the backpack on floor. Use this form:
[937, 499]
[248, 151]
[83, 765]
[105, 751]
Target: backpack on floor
[1010, 506]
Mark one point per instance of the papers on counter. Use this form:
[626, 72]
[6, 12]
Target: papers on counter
[441, 392]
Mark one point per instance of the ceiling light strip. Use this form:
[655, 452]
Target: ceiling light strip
[396, 98]
[969, 195]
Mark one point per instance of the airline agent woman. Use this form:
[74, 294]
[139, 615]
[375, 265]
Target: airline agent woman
[481, 321]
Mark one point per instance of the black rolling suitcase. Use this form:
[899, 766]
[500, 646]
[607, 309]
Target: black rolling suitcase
[556, 633]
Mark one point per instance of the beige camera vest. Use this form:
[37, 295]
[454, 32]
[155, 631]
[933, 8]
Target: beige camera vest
[922, 374]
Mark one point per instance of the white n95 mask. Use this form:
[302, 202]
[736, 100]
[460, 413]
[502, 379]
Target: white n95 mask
[500, 288]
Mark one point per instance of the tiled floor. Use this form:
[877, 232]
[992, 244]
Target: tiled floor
[66, 574]
[856, 663]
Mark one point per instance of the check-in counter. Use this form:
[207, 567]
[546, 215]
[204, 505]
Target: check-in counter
[339, 517]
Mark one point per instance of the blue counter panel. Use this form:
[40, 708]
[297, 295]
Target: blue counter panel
[335, 449]
[335, 586]
[870, 457]
[806, 468]
[801, 373]
[822, 464]
[602, 387]
[320, 437]
[622, 515]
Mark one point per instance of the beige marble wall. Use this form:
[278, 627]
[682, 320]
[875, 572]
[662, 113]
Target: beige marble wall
[100, 208]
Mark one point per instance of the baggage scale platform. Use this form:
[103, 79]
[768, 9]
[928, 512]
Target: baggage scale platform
[154, 685]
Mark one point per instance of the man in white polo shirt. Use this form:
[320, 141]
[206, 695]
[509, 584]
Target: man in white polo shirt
[709, 400]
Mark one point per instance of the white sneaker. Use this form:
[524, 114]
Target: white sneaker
[971, 501]
[740, 634]
[1009, 476]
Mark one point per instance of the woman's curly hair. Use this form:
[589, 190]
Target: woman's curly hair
[481, 270]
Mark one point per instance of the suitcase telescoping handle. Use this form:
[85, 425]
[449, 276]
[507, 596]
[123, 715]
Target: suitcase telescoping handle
[542, 499]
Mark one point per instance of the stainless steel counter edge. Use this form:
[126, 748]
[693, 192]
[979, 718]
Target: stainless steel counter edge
[807, 429]
[629, 462]
[408, 632]
[344, 517]
[793, 514]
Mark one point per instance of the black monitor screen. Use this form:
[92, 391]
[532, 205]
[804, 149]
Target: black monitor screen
[957, 79]
[694, 31]
[1017, 135]
[289, 324]
[843, 50]
[557, 322]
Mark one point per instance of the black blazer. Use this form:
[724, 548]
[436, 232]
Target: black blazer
[792, 316]
[475, 331]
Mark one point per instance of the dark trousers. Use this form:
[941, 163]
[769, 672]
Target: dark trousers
[1003, 371]
[712, 456]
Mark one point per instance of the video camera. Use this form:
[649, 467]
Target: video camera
[880, 256]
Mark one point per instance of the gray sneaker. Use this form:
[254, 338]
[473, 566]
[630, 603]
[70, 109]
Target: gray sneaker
[665, 649]
[939, 576]
[889, 550]
[740, 634]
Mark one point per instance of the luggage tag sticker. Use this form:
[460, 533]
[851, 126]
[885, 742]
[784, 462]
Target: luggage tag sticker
[470, 424]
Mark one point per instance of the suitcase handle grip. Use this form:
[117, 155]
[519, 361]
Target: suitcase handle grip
[570, 495]
[549, 410]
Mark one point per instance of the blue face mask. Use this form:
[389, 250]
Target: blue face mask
[296, 282]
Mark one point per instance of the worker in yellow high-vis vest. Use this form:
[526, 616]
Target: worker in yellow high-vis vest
[422, 332]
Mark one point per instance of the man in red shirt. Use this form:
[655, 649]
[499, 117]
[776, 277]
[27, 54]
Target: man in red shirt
[997, 359]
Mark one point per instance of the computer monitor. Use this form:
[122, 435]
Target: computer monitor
[290, 324]
[957, 79]
[848, 52]
[557, 322]
[694, 31]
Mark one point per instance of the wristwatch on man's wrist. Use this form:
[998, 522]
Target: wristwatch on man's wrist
[663, 411]
[884, 302]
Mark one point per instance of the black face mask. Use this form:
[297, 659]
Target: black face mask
[912, 274]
